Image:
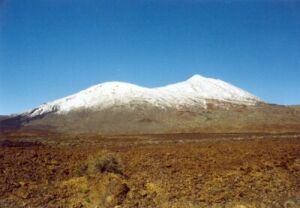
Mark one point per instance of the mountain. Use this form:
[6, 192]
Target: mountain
[193, 92]
[3, 117]
[198, 104]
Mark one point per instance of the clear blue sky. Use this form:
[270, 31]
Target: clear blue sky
[52, 48]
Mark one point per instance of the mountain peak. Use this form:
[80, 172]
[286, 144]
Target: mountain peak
[193, 92]
[196, 77]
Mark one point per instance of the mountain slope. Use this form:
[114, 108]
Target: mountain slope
[198, 104]
[194, 91]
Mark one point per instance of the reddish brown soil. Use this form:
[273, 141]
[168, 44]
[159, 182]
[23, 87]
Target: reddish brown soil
[216, 172]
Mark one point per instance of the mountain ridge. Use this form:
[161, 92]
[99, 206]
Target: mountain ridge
[197, 105]
[194, 91]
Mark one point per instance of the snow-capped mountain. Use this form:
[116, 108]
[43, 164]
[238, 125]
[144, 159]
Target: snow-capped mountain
[198, 104]
[195, 91]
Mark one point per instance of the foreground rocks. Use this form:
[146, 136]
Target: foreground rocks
[262, 172]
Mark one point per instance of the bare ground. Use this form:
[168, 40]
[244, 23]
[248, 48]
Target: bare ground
[183, 170]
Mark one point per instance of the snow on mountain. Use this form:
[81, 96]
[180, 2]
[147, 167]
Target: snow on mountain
[194, 91]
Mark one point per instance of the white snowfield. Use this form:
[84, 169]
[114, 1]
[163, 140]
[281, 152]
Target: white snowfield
[194, 91]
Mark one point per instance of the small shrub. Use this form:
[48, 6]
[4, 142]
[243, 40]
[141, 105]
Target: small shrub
[104, 161]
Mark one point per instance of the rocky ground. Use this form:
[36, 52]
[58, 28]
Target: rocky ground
[184, 171]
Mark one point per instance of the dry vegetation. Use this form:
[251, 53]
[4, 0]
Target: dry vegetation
[233, 171]
[104, 161]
